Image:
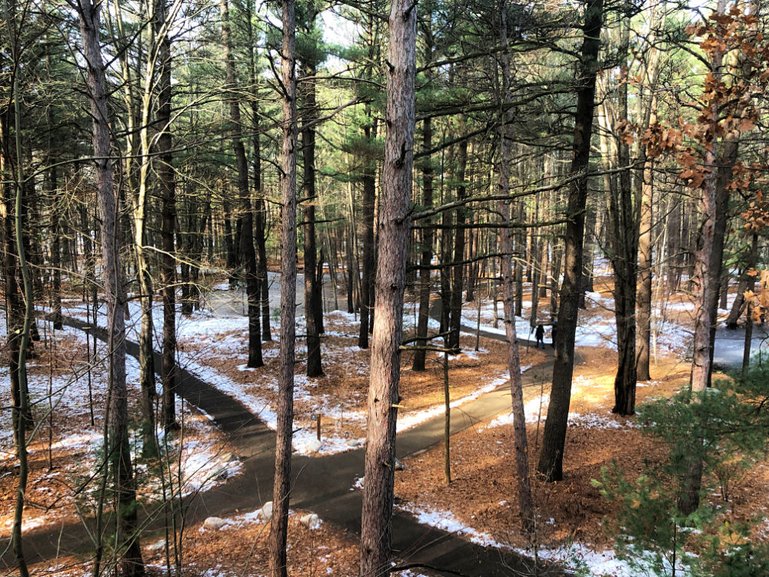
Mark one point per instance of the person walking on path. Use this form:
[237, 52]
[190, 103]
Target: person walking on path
[540, 336]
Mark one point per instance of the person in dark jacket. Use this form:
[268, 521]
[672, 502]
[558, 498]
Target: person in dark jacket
[539, 333]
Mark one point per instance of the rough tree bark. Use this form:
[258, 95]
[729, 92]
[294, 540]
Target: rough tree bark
[312, 287]
[554, 439]
[127, 538]
[167, 182]
[426, 255]
[717, 154]
[285, 408]
[646, 217]
[246, 214]
[525, 500]
[457, 270]
[623, 237]
[393, 227]
[260, 210]
[369, 257]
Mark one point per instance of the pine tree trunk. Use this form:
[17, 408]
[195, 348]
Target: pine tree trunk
[426, 257]
[56, 260]
[130, 564]
[554, 440]
[472, 268]
[313, 317]
[457, 270]
[623, 241]
[369, 197]
[646, 223]
[712, 203]
[525, 500]
[264, 282]
[167, 181]
[393, 226]
[19, 290]
[351, 271]
[285, 404]
[260, 211]
[644, 292]
[537, 246]
[520, 255]
[245, 221]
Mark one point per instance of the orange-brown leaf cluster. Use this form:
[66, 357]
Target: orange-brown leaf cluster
[756, 216]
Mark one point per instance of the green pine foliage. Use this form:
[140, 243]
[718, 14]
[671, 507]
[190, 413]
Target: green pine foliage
[726, 427]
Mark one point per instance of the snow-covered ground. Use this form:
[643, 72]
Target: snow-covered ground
[668, 335]
[222, 332]
[225, 336]
[198, 458]
[304, 440]
[574, 557]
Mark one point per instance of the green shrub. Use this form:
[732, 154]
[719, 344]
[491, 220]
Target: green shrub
[726, 429]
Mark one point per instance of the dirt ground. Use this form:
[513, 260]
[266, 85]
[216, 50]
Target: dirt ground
[237, 549]
[482, 493]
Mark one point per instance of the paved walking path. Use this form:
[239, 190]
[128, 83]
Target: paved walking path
[321, 484]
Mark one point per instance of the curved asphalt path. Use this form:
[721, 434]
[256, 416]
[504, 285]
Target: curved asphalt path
[321, 484]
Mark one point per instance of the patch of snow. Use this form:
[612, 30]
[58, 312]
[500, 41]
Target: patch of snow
[594, 421]
[674, 337]
[411, 420]
[531, 409]
[600, 333]
[304, 441]
[446, 521]
[576, 557]
[606, 563]
[679, 307]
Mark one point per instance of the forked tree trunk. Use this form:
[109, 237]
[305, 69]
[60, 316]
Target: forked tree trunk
[554, 439]
[623, 243]
[393, 225]
[119, 455]
[285, 405]
[711, 203]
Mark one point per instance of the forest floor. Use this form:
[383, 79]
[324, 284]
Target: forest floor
[479, 503]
